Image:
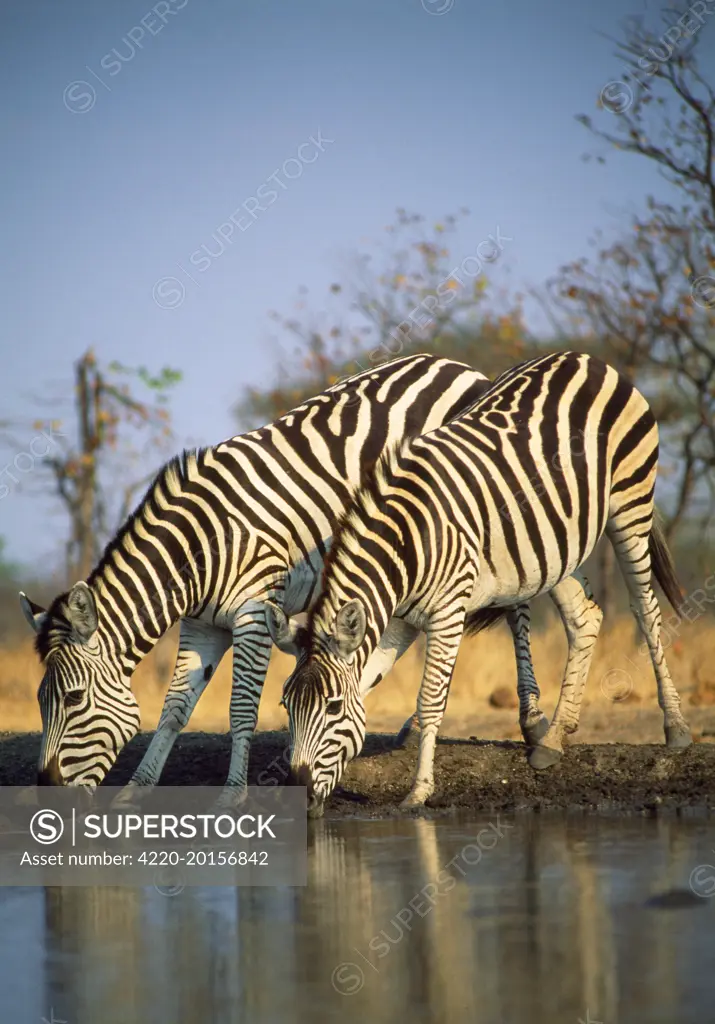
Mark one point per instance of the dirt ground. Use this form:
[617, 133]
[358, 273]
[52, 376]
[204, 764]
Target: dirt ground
[470, 774]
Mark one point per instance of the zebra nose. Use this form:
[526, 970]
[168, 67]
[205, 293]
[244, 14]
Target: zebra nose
[50, 774]
[302, 776]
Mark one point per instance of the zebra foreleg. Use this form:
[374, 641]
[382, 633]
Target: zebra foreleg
[440, 657]
[397, 638]
[582, 618]
[201, 647]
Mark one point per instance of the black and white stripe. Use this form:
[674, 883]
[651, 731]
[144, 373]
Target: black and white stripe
[500, 505]
[220, 531]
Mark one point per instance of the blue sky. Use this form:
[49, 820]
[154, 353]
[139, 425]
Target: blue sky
[195, 105]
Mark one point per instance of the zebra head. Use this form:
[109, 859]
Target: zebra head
[326, 712]
[88, 709]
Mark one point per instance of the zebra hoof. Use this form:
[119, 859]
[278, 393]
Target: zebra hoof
[413, 800]
[677, 737]
[408, 735]
[231, 798]
[130, 796]
[535, 732]
[407, 738]
[542, 757]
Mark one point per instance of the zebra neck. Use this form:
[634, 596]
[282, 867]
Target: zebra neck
[374, 574]
[160, 565]
[138, 601]
[130, 621]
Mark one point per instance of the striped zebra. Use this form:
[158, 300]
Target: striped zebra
[220, 531]
[486, 512]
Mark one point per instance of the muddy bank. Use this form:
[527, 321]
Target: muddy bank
[477, 775]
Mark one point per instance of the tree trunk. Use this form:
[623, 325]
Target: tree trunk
[83, 513]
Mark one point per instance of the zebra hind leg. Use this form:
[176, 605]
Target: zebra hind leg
[582, 618]
[532, 720]
[637, 554]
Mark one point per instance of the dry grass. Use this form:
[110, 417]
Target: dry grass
[621, 673]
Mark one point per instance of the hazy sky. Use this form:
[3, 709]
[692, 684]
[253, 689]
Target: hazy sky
[132, 134]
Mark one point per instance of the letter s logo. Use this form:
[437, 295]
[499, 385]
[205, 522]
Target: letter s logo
[46, 827]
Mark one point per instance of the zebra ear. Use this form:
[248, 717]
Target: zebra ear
[286, 634]
[34, 614]
[82, 611]
[350, 628]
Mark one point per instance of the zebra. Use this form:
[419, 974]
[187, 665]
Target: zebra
[220, 531]
[485, 512]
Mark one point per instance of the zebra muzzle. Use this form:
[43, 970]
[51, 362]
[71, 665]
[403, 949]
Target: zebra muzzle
[302, 776]
[50, 774]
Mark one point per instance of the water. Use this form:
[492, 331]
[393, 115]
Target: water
[550, 920]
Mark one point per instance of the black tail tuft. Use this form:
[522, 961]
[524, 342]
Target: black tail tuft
[664, 567]
[483, 618]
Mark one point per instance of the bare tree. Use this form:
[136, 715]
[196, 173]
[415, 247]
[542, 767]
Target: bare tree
[647, 302]
[666, 113]
[94, 478]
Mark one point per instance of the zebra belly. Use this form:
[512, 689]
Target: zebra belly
[504, 589]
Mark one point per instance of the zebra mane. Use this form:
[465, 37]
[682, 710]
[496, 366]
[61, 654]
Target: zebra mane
[366, 496]
[171, 479]
[55, 628]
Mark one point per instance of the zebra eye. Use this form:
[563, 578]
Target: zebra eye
[282, 703]
[333, 703]
[73, 698]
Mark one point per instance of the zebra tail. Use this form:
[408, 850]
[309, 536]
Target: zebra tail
[483, 618]
[664, 567]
